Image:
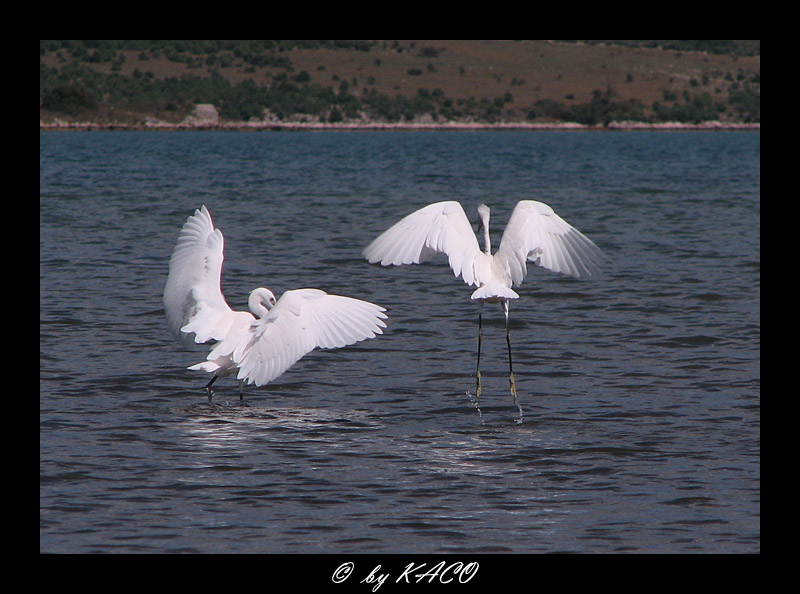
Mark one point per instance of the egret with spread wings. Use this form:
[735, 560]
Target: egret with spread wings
[257, 346]
[534, 233]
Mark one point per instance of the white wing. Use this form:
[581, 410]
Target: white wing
[442, 227]
[193, 300]
[301, 321]
[536, 233]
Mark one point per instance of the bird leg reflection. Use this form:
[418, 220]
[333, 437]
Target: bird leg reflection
[510, 366]
[478, 371]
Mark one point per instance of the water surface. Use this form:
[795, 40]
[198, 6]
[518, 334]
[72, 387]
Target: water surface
[640, 390]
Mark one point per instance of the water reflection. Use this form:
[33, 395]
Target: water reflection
[226, 426]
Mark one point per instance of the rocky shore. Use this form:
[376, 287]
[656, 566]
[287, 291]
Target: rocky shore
[408, 126]
[205, 117]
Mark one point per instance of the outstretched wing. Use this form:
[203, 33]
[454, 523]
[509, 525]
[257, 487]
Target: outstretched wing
[536, 233]
[193, 300]
[442, 227]
[301, 321]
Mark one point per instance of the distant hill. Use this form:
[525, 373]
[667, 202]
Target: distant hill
[592, 82]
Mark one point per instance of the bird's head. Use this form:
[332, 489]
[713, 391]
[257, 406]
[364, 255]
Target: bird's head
[261, 300]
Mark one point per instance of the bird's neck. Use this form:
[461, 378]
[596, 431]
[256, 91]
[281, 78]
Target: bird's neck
[487, 241]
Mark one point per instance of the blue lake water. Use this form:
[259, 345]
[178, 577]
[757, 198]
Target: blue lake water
[640, 389]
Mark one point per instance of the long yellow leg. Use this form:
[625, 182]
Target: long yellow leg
[209, 391]
[510, 366]
[478, 371]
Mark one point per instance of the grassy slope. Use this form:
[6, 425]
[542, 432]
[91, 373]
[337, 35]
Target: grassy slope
[528, 70]
[549, 70]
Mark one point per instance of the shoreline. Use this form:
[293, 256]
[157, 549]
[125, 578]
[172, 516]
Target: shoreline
[403, 126]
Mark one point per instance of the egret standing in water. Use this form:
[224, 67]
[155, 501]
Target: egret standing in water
[261, 345]
[534, 233]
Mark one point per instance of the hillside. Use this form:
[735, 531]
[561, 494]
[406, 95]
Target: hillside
[149, 83]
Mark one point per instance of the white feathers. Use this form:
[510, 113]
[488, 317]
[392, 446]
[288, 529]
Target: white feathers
[534, 232]
[193, 292]
[301, 321]
[261, 346]
[442, 227]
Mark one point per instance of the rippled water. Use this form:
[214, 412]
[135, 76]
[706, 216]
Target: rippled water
[640, 390]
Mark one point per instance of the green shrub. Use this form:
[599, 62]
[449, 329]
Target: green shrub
[69, 99]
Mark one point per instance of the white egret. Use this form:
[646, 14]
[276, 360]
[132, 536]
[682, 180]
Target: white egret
[534, 232]
[261, 345]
